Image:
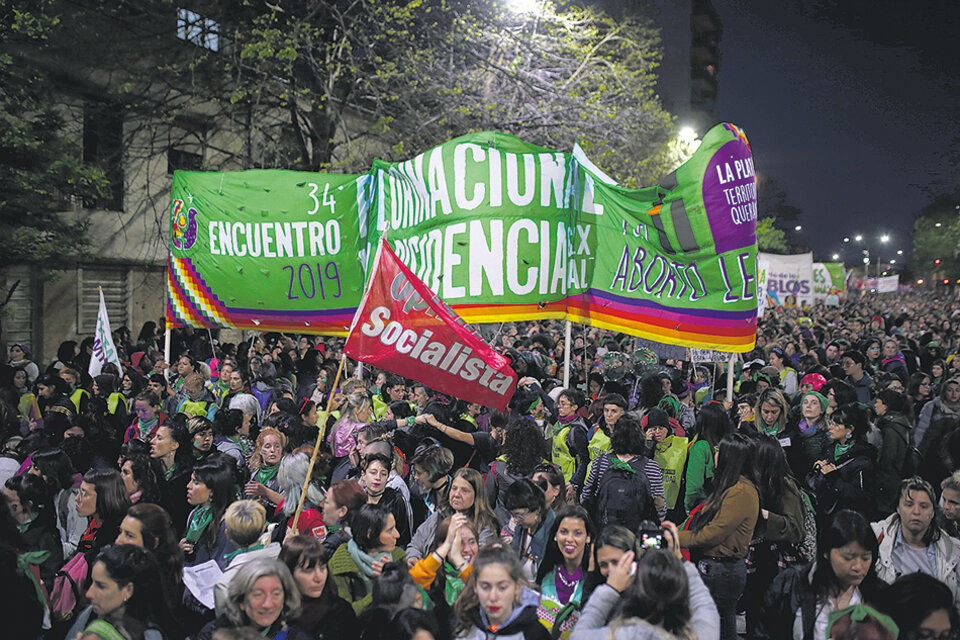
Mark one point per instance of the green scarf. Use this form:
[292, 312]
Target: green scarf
[365, 562]
[103, 629]
[453, 585]
[617, 463]
[24, 560]
[230, 556]
[841, 449]
[244, 445]
[169, 472]
[266, 474]
[197, 523]
[23, 526]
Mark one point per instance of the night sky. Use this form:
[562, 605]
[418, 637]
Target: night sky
[852, 106]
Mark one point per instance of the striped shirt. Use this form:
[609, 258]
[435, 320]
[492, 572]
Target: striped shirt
[601, 465]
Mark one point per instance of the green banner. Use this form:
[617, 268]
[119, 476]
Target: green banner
[500, 228]
[829, 278]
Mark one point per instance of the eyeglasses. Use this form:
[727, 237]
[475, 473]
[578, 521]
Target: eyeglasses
[520, 514]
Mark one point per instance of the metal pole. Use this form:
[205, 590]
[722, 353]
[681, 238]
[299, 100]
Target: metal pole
[166, 346]
[567, 347]
[316, 446]
[733, 358]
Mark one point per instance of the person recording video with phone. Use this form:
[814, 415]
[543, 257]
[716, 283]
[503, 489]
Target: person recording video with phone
[654, 586]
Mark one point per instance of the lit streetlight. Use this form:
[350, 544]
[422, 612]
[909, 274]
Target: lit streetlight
[938, 225]
[836, 256]
[847, 239]
[899, 252]
[798, 228]
[858, 238]
[885, 238]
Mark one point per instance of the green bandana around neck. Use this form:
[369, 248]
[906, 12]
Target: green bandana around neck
[617, 463]
[266, 474]
[841, 449]
[453, 584]
[200, 518]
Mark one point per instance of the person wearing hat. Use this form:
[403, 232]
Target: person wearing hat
[788, 375]
[810, 427]
[669, 451]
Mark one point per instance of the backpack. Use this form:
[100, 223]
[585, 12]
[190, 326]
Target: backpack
[68, 587]
[807, 548]
[625, 498]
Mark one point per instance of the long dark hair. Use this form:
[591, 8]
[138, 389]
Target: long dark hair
[660, 594]
[772, 473]
[159, 536]
[524, 446]
[112, 498]
[221, 481]
[127, 564]
[735, 460]
[845, 527]
[552, 557]
[55, 467]
[712, 424]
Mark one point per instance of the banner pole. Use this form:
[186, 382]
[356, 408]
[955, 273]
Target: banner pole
[316, 447]
[568, 345]
[733, 359]
[166, 348]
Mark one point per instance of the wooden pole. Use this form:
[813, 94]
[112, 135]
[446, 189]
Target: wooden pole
[316, 447]
[568, 347]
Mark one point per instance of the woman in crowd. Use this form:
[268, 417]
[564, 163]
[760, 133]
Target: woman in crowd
[811, 430]
[375, 474]
[139, 477]
[549, 477]
[265, 463]
[211, 489]
[54, 466]
[801, 599]
[780, 527]
[30, 502]
[262, 596]
[669, 451]
[201, 435]
[343, 499]
[919, 392]
[711, 426]
[431, 469]
[467, 497]
[895, 426]
[231, 435]
[564, 569]
[843, 479]
[355, 412]
[922, 606]
[496, 601]
[720, 532]
[171, 447]
[527, 505]
[445, 569]
[322, 612]
[658, 595]
[123, 594]
[373, 543]
[103, 501]
[20, 358]
[523, 449]
[149, 526]
[293, 471]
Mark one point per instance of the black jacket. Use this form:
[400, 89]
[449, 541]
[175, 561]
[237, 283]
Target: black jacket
[850, 485]
[393, 500]
[526, 624]
[789, 592]
[327, 617]
[895, 431]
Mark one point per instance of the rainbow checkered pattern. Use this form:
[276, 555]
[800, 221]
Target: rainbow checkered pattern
[190, 302]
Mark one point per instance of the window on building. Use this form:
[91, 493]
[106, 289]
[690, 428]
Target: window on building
[201, 31]
[180, 160]
[115, 295]
[103, 146]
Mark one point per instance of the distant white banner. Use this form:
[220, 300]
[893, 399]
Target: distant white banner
[888, 284]
[789, 276]
[763, 266]
[104, 350]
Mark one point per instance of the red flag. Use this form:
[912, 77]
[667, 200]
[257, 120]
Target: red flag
[404, 327]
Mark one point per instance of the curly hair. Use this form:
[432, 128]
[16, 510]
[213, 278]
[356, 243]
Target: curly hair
[524, 446]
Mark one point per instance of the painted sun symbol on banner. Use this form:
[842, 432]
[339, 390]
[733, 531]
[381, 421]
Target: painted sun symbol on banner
[184, 233]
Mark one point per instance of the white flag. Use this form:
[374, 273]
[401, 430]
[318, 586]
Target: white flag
[104, 350]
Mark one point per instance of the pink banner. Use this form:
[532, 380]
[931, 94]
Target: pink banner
[405, 328]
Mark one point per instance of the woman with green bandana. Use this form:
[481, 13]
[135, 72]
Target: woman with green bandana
[843, 478]
[265, 462]
[171, 446]
[123, 598]
[354, 565]
[211, 489]
[446, 568]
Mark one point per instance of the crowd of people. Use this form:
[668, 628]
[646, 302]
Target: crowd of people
[187, 499]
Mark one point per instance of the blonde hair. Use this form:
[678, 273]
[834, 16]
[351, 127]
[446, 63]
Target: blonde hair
[245, 521]
[255, 459]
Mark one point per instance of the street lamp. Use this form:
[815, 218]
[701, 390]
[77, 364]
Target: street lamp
[858, 238]
[836, 256]
[847, 239]
[899, 252]
[885, 238]
[524, 6]
[798, 228]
